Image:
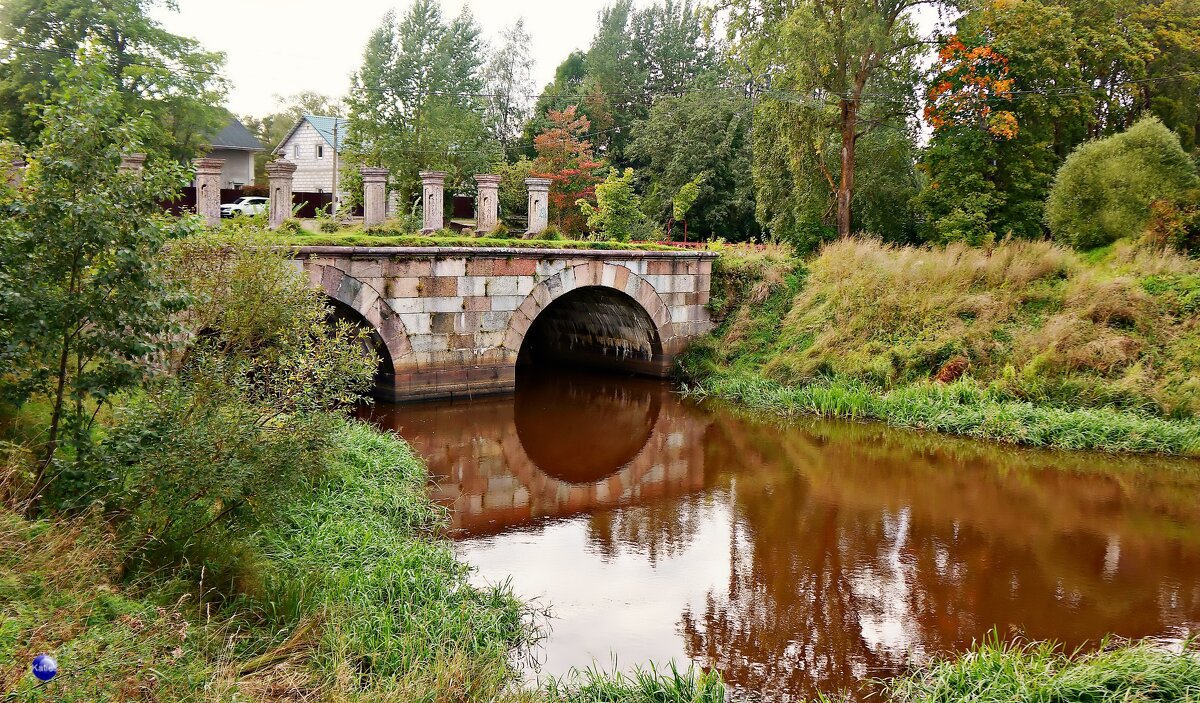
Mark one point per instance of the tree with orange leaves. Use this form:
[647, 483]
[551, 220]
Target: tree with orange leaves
[970, 83]
[565, 156]
[966, 103]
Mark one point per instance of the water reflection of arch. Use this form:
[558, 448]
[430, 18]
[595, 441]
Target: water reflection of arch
[483, 468]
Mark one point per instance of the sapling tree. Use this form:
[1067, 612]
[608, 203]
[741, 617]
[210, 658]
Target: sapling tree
[683, 201]
[84, 309]
[618, 212]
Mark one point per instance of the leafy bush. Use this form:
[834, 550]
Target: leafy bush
[551, 234]
[1176, 224]
[618, 213]
[500, 231]
[1104, 190]
[209, 452]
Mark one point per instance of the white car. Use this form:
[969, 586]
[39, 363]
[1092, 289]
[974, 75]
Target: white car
[249, 205]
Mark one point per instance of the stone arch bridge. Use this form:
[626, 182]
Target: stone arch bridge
[452, 322]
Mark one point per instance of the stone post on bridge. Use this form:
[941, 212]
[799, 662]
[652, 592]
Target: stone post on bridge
[487, 204]
[539, 196]
[393, 203]
[279, 178]
[208, 189]
[134, 163]
[374, 195]
[432, 185]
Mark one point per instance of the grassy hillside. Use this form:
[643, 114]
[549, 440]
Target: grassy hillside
[1026, 342]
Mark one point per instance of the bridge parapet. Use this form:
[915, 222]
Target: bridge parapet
[453, 321]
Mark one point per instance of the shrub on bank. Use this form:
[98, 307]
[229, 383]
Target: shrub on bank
[1105, 188]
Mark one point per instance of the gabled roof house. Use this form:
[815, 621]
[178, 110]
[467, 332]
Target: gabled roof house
[310, 145]
[237, 146]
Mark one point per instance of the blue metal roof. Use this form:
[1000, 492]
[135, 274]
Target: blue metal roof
[325, 125]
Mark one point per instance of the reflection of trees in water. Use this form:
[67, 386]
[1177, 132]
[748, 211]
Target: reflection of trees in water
[851, 553]
[659, 531]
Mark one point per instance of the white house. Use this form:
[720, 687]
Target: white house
[310, 145]
[237, 146]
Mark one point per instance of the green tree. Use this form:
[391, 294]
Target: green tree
[415, 104]
[967, 106]
[617, 214]
[168, 76]
[705, 133]
[635, 57]
[84, 307]
[1105, 189]
[514, 200]
[843, 69]
[509, 84]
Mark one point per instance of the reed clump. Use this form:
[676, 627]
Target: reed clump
[1021, 672]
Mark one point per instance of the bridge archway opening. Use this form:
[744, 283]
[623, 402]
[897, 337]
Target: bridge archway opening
[596, 327]
[372, 345]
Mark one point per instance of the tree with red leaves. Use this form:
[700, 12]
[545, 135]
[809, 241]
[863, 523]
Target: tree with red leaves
[565, 156]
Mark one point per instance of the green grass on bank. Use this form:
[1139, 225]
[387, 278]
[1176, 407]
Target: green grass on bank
[999, 672]
[1026, 342]
[363, 550]
[962, 408]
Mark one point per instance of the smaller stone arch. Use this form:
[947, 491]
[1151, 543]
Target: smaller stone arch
[367, 302]
[592, 274]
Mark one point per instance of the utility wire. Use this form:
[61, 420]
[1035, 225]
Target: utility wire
[739, 89]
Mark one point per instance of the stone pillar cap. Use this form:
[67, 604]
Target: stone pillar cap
[139, 158]
[281, 167]
[433, 176]
[538, 182]
[487, 178]
[208, 167]
[373, 173]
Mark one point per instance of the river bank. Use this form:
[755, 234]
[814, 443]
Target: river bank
[352, 595]
[1027, 343]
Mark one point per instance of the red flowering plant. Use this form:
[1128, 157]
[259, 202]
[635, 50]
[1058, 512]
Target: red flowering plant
[565, 156]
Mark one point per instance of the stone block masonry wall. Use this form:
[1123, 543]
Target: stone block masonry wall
[454, 320]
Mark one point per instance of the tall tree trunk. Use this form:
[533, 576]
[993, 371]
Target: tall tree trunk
[849, 125]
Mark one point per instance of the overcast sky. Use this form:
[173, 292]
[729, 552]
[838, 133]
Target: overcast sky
[316, 45]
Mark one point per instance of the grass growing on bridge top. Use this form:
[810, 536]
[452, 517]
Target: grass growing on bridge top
[360, 238]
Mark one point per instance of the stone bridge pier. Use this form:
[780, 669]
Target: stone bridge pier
[453, 322]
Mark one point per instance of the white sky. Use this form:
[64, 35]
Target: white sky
[316, 45]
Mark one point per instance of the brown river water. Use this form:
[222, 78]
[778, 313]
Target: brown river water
[800, 557]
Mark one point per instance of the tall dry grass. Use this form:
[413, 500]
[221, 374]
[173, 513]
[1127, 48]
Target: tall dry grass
[1033, 318]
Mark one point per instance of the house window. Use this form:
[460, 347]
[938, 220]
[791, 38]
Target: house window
[297, 151]
[320, 151]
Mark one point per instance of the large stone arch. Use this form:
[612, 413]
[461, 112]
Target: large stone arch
[367, 302]
[592, 274]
